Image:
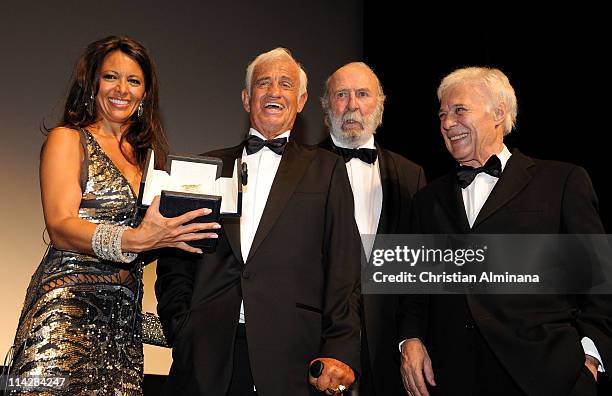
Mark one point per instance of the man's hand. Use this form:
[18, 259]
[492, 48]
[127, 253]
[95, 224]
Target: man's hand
[415, 363]
[592, 364]
[335, 373]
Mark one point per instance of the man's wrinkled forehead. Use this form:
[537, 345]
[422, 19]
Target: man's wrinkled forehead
[353, 77]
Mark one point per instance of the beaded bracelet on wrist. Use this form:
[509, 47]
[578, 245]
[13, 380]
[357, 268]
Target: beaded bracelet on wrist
[106, 243]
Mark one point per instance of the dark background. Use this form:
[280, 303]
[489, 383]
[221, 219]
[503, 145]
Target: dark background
[557, 60]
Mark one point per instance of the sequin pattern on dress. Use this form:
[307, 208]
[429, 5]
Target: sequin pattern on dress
[81, 317]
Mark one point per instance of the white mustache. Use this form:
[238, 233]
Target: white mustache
[352, 116]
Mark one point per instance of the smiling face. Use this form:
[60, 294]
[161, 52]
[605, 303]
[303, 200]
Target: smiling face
[354, 104]
[472, 127]
[274, 101]
[121, 88]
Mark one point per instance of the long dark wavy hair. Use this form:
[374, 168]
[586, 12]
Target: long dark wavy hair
[80, 111]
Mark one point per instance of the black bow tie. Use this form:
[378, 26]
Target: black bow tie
[254, 143]
[366, 155]
[466, 174]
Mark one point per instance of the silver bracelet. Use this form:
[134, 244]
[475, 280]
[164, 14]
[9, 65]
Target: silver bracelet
[106, 243]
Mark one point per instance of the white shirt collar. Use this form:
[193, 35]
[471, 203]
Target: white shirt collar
[253, 131]
[504, 156]
[368, 144]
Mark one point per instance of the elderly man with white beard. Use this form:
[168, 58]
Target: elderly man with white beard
[383, 184]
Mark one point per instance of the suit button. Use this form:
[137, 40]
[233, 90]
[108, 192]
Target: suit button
[469, 325]
[245, 274]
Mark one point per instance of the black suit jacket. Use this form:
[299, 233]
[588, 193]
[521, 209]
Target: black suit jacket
[536, 338]
[297, 283]
[400, 179]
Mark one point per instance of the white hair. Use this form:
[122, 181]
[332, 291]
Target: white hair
[275, 54]
[494, 81]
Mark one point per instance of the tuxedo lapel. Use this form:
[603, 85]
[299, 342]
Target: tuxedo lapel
[231, 225]
[294, 163]
[327, 144]
[391, 199]
[390, 192]
[449, 195]
[513, 179]
[232, 231]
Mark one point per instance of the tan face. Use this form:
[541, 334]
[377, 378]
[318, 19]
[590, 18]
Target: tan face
[353, 104]
[121, 88]
[471, 127]
[274, 101]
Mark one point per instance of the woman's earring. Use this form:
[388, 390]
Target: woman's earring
[140, 110]
[89, 105]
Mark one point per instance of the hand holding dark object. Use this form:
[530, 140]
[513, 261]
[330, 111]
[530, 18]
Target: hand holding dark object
[156, 231]
[330, 376]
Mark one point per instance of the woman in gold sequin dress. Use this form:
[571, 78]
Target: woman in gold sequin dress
[81, 317]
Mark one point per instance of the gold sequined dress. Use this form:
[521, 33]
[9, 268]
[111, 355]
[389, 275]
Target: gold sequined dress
[81, 317]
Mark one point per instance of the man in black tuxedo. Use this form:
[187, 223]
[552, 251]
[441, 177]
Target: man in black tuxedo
[502, 344]
[277, 293]
[383, 184]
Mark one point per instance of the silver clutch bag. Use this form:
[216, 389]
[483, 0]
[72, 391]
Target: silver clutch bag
[152, 333]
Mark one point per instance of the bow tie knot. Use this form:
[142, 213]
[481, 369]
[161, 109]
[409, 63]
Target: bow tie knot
[254, 143]
[364, 154]
[467, 174]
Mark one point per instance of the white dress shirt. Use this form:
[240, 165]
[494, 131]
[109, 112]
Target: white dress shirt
[476, 194]
[474, 197]
[367, 193]
[262, 167]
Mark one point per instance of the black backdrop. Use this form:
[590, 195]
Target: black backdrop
[556, 61]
